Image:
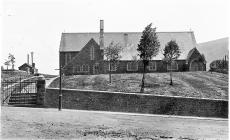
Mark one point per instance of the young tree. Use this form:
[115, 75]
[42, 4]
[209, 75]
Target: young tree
[112, 54]
[171, 53]
[148, 47]
[11, 58]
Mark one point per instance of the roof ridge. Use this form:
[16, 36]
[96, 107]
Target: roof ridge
[126, 32]
[223, 38]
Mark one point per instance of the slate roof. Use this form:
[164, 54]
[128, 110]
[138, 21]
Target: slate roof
[191, 52]
[25, 65]
[76, 41]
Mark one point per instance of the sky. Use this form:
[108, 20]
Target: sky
[36, 25]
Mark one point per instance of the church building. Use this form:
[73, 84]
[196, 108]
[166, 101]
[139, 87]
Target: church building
[82, 53]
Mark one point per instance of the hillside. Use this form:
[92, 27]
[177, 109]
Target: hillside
[186, 84]
[214, 50]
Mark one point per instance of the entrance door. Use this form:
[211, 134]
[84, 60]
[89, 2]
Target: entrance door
[196, 66]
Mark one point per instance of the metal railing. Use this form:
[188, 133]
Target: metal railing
[10, 87]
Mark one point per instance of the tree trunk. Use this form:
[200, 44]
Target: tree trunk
[171, 82]
[143, 81]
[110, 73]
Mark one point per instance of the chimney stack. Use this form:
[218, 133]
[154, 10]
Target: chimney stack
[101, 40]
[28, 59]
[126, 39]
[32, 56]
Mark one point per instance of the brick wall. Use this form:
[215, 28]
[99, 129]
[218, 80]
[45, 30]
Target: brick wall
[136, 102]
[83, 58]
[160, 66]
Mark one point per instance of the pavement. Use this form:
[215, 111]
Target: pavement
[47, 123]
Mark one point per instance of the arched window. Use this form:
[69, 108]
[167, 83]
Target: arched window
[85, 68]
[132, 66]
[152, 66]
[67, 58]
[173, 66]
[92, 53]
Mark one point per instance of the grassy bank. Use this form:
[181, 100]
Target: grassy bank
[186, 84]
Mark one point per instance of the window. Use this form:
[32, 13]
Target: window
[152, 66]
[132, 66]
[113, 67]
[78, 68]
[67, 58]
[85, 68]
[92, 53]
[174, 66]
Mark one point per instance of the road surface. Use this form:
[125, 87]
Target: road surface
[41, 123]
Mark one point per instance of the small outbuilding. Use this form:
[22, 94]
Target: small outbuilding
[28, 68]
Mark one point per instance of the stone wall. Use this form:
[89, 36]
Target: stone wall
[136, 102]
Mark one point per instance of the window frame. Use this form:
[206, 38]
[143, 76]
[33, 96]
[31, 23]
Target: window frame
[83, 68]
[115, 67]
[67, 58]
[92, 51]
[169, 65]
[76, 70]
[155, 66]
[136, 63]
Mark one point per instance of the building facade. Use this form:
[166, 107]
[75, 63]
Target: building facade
[82, 53]
[28, 68]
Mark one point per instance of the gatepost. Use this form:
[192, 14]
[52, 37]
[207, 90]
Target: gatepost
[41, 83]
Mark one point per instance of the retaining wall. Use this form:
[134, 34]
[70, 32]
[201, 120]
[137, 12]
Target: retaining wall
[136, 102]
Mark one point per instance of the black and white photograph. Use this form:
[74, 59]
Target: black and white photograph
[114, 69]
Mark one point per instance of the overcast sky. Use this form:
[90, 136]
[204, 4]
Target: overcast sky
[36, 25]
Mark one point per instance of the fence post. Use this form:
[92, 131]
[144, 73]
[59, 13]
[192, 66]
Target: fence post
[41, 82]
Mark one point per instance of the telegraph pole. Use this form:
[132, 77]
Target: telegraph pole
[60, 89]
[60, 84]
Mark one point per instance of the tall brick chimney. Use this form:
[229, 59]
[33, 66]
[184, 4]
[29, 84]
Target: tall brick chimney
[28, 59]
[125, 39]
[32, 56]
[101, 39]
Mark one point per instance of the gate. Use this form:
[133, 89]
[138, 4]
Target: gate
[19, 92]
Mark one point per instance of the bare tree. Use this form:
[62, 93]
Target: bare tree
[112, 54]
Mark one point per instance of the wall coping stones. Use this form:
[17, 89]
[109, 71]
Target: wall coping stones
[139, 94]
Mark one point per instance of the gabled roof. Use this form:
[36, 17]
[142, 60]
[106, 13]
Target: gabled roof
[191, 52]
[76, 41]
[26, 65]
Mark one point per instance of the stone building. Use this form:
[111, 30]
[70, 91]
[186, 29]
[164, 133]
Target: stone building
[82, 53]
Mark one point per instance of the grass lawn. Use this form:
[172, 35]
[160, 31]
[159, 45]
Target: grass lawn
[186, 84]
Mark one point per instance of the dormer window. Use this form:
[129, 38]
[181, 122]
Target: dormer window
[92, 53]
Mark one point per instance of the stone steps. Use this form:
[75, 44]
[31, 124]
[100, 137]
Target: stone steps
[23, 99]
